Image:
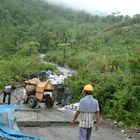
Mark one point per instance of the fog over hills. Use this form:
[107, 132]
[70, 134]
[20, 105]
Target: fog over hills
[99, 7]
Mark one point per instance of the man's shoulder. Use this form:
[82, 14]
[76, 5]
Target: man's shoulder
[87, 98]
[84, 98]
[95, 100]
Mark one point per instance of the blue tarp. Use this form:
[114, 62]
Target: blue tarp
[8, 125]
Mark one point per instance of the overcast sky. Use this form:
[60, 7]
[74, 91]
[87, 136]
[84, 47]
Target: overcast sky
[126, 7]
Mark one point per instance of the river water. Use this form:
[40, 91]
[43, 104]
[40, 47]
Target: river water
[66, 71]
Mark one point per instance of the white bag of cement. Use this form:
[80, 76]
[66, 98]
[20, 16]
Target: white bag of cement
[72, 107]
[61, 79]
[51, 76]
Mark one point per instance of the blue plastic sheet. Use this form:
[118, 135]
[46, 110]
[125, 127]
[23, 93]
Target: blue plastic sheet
[8, 126]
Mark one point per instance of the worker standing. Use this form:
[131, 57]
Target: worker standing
[7, 92]
[67, 96]
[89, 112]
[60, 92]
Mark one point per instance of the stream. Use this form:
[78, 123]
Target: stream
[65, 70]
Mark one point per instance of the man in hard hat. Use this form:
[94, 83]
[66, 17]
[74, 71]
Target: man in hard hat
[89, 113]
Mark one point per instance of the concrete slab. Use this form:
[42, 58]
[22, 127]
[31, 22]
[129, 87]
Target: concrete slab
[44, 114]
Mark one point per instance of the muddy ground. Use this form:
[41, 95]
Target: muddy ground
[71, 133]
[67, 132]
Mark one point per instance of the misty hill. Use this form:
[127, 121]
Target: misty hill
[35, 20]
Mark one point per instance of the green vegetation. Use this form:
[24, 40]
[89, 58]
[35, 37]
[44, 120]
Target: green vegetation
[105, 51]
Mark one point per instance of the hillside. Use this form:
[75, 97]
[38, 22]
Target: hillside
[105, 51]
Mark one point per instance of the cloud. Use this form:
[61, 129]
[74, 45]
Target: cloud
[126, 7]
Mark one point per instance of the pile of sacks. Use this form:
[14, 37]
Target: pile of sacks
[71, 107]
[55, 79]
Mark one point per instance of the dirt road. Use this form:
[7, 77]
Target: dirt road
[71, 133]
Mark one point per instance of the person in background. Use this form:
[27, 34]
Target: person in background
[60, 92]
[7, 92]
[67, 96]
[89, 112]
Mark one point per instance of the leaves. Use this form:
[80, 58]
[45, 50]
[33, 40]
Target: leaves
[103, 50]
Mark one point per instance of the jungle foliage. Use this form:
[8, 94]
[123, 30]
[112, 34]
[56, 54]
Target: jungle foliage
[104, 50]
